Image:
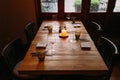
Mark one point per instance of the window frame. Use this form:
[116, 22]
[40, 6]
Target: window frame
[62, 3]
[84, 15]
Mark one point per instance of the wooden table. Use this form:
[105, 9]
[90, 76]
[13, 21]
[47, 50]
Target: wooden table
[69, 57]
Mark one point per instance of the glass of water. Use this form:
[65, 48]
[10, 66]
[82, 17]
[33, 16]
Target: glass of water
[51, 42]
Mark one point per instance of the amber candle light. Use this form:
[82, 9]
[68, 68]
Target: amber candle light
[63, 32]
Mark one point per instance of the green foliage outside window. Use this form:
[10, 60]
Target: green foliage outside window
[94, 5]
[77, 5]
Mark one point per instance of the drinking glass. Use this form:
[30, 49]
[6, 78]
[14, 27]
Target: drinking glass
[51, 42]
[72, 42]
[73, 19]
[41, 55]
[68, 16]
[50, 28]
[77, 35]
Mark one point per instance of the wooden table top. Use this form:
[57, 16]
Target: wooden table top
[69, 58]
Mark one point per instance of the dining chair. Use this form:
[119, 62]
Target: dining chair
[30, 32]
[95, 31]
[11, 56]
[109, 52]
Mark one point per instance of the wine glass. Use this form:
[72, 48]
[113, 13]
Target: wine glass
[72, 40]
[51, 42]
[68, 16]
[73, 19]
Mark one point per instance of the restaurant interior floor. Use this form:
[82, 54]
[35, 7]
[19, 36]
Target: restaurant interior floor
[116, 73]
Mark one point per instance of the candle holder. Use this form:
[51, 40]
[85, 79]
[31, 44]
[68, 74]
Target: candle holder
[63, 34]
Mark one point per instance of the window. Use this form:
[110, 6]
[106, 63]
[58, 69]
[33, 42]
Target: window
[49, 6]
[117, 6]
[73, 5]
[98, 5]
[61, 9]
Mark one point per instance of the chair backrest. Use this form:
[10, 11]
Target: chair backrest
[95, 32]
[30, 32]
[108, 51]
[98, 27]
[12, 53]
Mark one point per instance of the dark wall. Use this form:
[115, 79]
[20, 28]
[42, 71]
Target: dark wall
[14, 15]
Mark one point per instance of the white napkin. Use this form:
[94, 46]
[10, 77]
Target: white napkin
[85, 45]
[41, 45]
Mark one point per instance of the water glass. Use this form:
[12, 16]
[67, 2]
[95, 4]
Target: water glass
[77, 35]
[50, 28]
[41, 55]
[51, 41]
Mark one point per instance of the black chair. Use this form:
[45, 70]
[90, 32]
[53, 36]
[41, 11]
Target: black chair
[109, 52]
[95, 31]
[12, 56]
[30, 32]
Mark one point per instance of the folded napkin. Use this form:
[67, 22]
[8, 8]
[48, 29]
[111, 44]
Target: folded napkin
[76, 25]
[85, 45]
[41, 45]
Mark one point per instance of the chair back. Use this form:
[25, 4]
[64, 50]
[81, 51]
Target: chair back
[108, 51]
[95, 32]
[98, 27]
[30, 32]
[11, 53]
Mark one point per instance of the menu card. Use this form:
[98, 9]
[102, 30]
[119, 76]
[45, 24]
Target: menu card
[85, 45]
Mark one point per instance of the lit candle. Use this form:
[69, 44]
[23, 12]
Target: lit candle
[64, 32]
